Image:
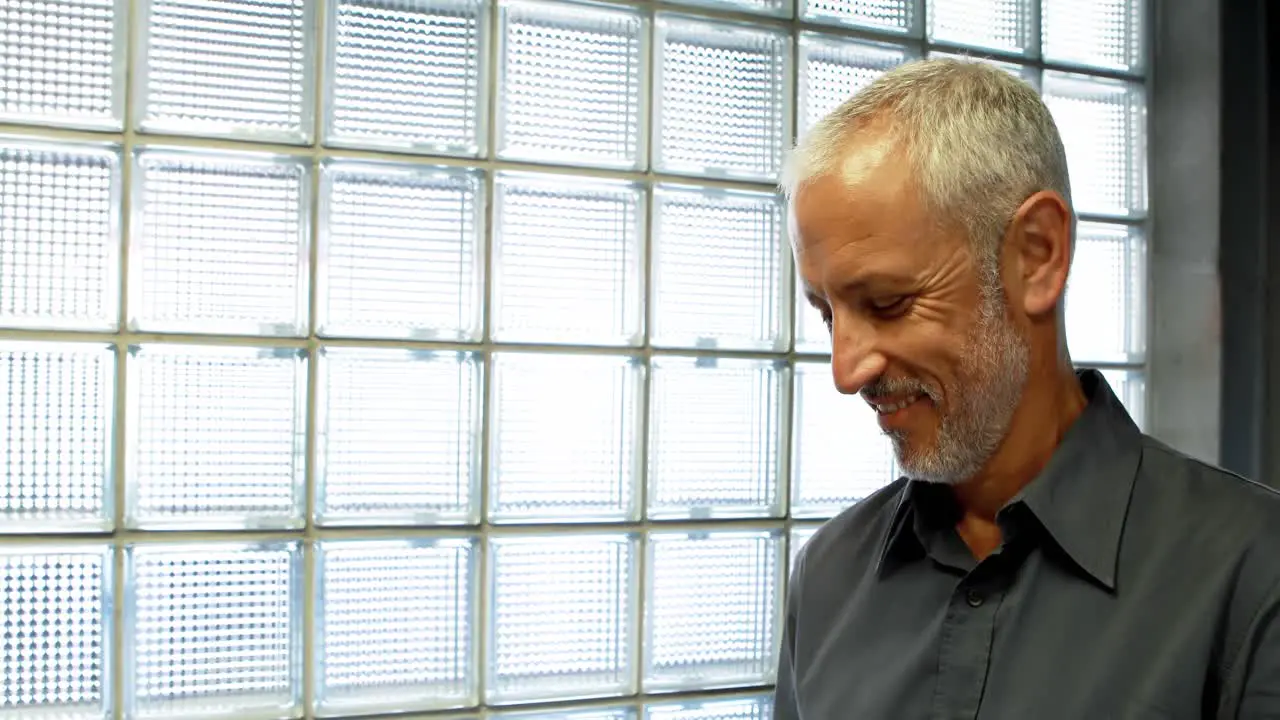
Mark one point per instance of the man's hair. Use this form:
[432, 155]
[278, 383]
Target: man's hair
[979, 140]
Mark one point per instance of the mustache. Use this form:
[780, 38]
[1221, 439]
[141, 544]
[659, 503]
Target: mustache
[884, 387]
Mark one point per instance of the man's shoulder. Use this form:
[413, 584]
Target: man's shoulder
[1211, 514]
[1178, 477]
[1210, 535]
[856, 533]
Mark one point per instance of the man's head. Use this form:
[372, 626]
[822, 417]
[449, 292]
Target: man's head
[932, 223]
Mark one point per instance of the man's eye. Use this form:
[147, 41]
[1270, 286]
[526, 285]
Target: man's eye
[890, 306]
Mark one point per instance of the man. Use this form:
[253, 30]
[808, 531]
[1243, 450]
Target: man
[1041, 558]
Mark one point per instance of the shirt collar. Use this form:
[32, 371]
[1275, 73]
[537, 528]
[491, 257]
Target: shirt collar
[1080, 498]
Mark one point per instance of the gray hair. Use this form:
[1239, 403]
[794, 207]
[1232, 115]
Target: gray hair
[980, 142]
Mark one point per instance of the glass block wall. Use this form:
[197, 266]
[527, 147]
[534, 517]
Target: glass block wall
[443, 356]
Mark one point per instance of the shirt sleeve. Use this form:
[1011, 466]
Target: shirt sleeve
[1252, 690]
[786, 705]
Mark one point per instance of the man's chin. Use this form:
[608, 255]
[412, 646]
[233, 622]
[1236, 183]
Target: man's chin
[923, 464]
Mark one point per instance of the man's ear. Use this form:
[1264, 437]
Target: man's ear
[1039, 243]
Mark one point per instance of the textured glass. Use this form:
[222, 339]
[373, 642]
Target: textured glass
[227, 68]
[832, 70]
[59, 235]
[569, 85]
[219, 243]
[213, 630]
[713, 437]
[567, 260]
[1102, 123]
[799, 536]
[62, 63]
[215, 436]
[1130, 386]
[398, 436]
[721, 99]
[55, 436]
[1100, 33]
[712, 609]
[564, 435]
[395, 625]
[399, 251]
[897, 15]
[406, 74]
[1106, 295]
[717, 260]
[625, 712]
[1006, 25]
[55, 610]
[755, 707]
[772, 8]
[812, 335]
[840, 455]
[563, 621]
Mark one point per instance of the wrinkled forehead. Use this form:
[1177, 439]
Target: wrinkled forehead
[865, 224]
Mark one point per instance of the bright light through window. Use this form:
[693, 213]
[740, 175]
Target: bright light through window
[370, 357]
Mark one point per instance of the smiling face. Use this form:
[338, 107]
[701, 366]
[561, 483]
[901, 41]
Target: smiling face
[919, 324]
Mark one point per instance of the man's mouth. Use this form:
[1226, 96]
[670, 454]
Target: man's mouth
[888, 407]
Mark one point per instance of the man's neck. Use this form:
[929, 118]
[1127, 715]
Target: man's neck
[1048, 408]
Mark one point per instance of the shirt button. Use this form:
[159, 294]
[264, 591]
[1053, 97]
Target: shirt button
[974, 598]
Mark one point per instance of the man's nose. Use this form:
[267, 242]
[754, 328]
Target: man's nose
[855, 360]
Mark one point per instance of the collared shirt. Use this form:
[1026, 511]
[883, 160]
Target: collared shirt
[1132, 582]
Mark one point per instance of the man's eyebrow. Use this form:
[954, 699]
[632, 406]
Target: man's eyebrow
[871, 278]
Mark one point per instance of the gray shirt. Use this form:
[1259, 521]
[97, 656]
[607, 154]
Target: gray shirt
[1133, 582]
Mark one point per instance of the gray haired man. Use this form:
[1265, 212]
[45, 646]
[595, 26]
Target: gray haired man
[1041, 558]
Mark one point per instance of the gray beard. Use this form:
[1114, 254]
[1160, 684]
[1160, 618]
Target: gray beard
[993, 372]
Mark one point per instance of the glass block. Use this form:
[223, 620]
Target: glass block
[226, 68]
[771, 8]
[840, 455]
[570, 83]
[219, 243]
[1027, 73]
[55, 436]
[799, 536]
[396, 624]
[712, 609]
[564, 437]
[721, 99]
[59, 235]
[1098, 33]
[714, 432]
[812, 335]
[62, 62]
[567, 260]
[717, 269]
[1106, 295]
[213, 630]
[407, 75]
[55, 602]
[216, 437]
[622, 712]
[397, 437]
[563, 617]
[1103, 127]
[400, 251]
[834, 69]
[892, 15]
[1130, 387]
[1004, 25]
[752, 707]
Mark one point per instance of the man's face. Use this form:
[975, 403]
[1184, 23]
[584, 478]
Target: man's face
[918, 329]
